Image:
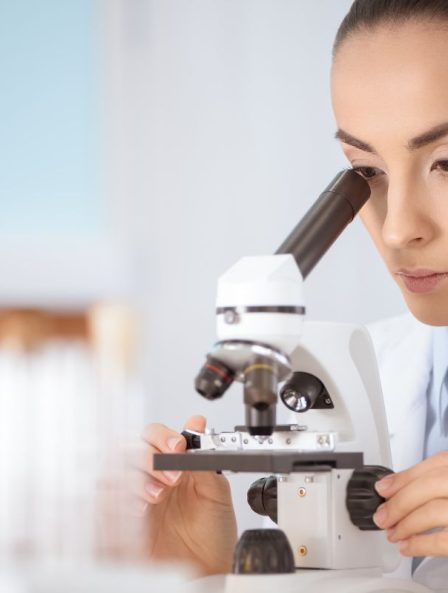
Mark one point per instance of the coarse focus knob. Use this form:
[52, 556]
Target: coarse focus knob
[362, 499]
[262, 497]
[263, 551]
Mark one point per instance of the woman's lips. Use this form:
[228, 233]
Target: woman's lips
[421, 281]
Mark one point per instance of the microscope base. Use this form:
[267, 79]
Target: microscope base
[308, 581]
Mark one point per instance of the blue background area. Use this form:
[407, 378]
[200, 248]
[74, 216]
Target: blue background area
[49, 119]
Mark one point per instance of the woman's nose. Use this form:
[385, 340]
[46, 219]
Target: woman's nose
[407, 222]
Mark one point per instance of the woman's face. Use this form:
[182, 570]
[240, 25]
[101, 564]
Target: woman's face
[390, 98]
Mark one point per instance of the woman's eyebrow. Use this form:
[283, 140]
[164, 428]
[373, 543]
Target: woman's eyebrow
[431, 135]
[347, 138]
[435, 133]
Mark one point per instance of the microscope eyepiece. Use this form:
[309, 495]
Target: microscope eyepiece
[326, 219]
[213, 379]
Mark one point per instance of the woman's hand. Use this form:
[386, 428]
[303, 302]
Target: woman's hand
[417, 501]
[190, 514]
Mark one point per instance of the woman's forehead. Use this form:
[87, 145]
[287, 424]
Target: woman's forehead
[392, 81]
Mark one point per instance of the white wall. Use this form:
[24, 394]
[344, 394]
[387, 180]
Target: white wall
[222, 136]
[56, 249]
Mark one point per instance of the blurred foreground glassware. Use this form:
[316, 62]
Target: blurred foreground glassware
[68, 390]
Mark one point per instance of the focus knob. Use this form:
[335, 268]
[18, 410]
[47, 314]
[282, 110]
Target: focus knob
[362, 499]
[262, 497]
[263, 551]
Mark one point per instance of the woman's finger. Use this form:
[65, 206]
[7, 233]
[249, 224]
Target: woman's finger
[196, 423]
[160, 439]
[392, 483]
[433, 544]
[169, 441]
[428, 516]
[430, 485]
[141, 460]
[163, 438]
[149, 489]
[154, 491]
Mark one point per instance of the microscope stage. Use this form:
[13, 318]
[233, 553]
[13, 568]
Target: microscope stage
[275, 462]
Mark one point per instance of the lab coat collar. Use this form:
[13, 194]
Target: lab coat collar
[404, 350]
[440, 367]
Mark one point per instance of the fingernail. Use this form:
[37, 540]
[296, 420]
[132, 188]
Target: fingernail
[173, 442]
[380, 516]
[154, 490]
[172, 476]
[138, 508]
[390, 533]
[384, 484]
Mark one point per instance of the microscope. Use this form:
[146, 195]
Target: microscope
[319, 470]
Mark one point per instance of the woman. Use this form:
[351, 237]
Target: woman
[389, 85]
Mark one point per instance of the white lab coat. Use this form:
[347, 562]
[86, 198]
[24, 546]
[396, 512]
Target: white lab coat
[403, 348]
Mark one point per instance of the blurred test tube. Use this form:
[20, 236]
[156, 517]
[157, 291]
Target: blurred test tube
[68, 393]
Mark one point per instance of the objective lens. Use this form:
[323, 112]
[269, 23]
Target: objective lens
[260, 397]
[213, 379]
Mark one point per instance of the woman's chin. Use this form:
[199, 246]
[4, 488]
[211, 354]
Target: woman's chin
[431, 309]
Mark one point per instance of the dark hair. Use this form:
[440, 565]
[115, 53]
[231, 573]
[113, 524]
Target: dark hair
[367, 14]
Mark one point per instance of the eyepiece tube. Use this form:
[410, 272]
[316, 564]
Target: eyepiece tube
[335, 208]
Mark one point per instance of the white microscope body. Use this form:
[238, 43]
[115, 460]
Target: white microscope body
[312, 504]
[320, 487]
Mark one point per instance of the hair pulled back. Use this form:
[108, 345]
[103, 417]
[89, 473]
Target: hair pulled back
[365, 15]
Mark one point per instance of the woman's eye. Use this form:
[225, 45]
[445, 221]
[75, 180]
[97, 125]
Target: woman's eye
[442, 165]
[369, 172]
